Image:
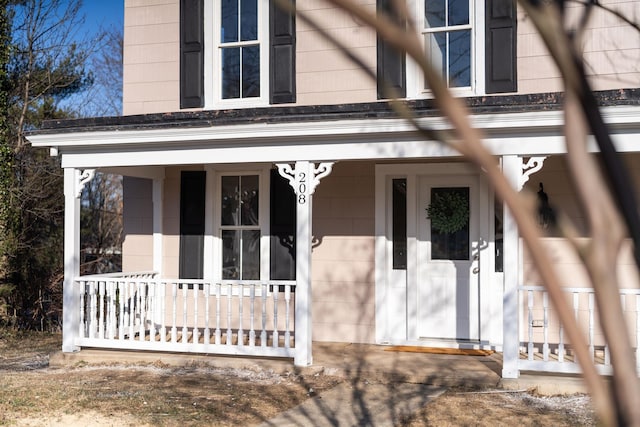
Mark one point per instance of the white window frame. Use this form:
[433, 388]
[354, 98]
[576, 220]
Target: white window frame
[212, 59]
[213, 233]
[415, 79]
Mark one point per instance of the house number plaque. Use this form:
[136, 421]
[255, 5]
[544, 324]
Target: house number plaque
[304, 177]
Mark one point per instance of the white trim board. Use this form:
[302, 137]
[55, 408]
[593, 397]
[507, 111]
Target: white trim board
[532, 133]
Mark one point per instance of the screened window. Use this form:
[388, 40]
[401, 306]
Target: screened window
[240, 227]
[447, 34]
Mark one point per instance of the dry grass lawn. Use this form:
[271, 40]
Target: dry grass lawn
[31, 393]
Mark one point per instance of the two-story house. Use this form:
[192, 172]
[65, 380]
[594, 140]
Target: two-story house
[272, 197]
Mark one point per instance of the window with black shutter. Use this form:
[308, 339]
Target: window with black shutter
[238, 42]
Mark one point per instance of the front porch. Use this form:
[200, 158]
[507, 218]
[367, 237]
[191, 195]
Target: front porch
[142, 312]
[186, 228]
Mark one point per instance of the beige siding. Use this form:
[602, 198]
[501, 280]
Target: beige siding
[612, 51]
[343, 258]
[151, 56]
[137, 247]
[324, 75]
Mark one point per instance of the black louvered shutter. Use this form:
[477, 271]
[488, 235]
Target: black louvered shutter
[282, 51]
[282, 229]
[192, 196]
[191, 53]
[391, 62]
[500, 48]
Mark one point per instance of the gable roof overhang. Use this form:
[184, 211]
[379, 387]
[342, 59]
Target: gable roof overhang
[319, 133]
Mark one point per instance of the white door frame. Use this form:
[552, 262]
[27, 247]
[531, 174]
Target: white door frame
[394, 324]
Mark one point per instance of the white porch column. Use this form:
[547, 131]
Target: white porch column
[157, 200]
[512, 169]
[304, 178]
[74, 182]
[517, 172]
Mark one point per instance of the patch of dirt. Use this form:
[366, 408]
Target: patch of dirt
[502, 408]
[32, 394]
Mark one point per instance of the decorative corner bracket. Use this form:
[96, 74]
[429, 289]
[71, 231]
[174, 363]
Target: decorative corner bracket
[533, 165]
[304, 177]
[83, 178]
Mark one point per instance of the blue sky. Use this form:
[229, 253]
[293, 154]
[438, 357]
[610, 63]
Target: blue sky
[103, 13]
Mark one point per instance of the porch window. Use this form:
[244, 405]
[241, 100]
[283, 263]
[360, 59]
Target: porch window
[240, 227]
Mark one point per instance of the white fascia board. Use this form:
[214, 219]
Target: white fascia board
[528, 133]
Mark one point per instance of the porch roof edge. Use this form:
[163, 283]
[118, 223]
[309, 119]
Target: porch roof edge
[482, 105]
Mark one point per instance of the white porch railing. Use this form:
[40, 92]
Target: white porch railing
[139, 311]
[543, 345]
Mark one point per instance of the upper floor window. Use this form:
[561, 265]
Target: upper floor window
[447, 34]
[449, 39]
[236, 53]
[472, 43]
[239, 58]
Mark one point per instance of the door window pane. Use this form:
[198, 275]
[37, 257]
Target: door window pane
[399, 232]
[450, 228]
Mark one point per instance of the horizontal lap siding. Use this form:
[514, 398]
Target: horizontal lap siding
[612, 51]
[151, 57]
[324, 75]
[343, 260]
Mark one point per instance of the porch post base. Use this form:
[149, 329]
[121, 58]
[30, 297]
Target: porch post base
[510, 372]
[70, 348]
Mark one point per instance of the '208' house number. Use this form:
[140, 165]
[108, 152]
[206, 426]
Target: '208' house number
[302, 188]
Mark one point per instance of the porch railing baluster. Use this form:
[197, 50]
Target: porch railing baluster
[101, 307]
[93, 310]
[263, 331]
[287, 332]
[276, 336]
[530, 317]
[185, 337]
[252, 315]
[196, 332]
[143, 309]
[121, 302]
[240, 341]
[174, 312]
[591, 327]
[218, 339]
[207, 331]
[83, 310]
[229, 340]
[545, 306]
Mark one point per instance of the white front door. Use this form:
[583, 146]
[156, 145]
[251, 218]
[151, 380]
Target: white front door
[447, 257]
